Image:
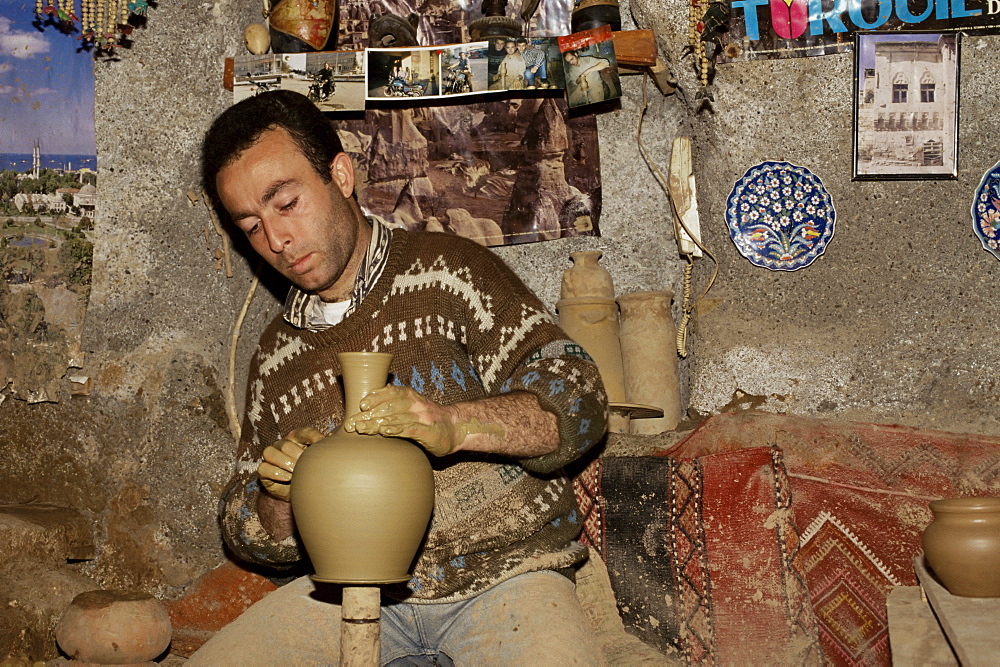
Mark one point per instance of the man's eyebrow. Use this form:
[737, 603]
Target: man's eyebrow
[275, 188]
[268, 195]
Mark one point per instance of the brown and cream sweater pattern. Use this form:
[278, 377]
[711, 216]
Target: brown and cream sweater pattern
[461, 326]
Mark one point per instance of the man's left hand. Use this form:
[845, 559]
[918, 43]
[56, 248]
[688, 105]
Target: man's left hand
[403, 413]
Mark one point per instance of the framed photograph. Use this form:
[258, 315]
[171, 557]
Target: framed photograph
[905, 105]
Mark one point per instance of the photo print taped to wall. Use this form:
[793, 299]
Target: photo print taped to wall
[590, 67]
[906, 105]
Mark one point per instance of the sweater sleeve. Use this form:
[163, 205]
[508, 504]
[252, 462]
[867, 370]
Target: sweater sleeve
[516, 346]
[240, 522]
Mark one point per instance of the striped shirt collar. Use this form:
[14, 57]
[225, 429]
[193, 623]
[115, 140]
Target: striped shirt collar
[300, 306]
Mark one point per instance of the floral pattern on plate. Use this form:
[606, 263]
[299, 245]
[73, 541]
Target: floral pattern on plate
[986, 210]
[780, 216]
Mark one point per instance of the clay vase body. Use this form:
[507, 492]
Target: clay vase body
[649, 358]
[587, 277]
[362, 502]
[593, 323]
[962, 545]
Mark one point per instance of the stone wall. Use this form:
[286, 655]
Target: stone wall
[893, 324]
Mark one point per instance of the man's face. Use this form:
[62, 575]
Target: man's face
[572, 58]
[510, 47]
[498, 44]
[305, 228]
[522, 47]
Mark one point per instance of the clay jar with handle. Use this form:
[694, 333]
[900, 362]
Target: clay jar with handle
[362, 502]
[962, 545]
[592, 322]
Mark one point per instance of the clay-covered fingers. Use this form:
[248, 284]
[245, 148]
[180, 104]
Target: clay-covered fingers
[279, 459]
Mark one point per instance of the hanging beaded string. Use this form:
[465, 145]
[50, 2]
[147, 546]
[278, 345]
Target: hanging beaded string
[696, 26]
[103, 23]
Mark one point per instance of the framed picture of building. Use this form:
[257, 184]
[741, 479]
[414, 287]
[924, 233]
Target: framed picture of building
[906, 105]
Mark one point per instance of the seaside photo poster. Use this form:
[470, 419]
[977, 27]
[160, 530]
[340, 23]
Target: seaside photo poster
[48, 194]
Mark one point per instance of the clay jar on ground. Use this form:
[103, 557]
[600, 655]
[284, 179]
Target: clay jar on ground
[362, 502]
[962, 545]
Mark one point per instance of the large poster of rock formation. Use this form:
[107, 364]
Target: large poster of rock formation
[500, 172]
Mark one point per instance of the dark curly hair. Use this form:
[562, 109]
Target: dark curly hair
[240, 126]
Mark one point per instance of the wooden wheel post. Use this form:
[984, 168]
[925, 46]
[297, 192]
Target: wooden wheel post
[359, 627]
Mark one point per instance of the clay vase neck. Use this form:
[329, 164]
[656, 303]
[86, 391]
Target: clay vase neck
[587, 278]
[962, 545]
[362, 502]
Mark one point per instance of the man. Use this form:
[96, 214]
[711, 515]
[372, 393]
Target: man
[584, 83]
[534, 64]
[510, 73]
[483, 380]
[462, 74]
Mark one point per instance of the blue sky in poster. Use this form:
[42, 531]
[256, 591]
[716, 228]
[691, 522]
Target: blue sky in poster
[867, 56]
[46, 86]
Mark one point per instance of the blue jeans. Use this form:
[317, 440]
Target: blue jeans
[534, 618]
[529, 76]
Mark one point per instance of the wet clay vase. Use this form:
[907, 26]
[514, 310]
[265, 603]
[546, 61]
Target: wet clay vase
[587, 278]
[362, 502]
[962, 545]
[592, 322]
[649, 358]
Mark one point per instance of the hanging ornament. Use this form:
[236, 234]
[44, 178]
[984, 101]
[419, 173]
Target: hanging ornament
[104, 25]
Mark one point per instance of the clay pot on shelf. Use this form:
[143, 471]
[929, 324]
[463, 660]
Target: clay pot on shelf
[962, 545]
[587, 278]
[114, 628]
[649, 358]
[362, 502]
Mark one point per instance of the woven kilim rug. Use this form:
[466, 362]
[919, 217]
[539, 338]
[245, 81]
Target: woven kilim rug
[860, 495]
[703, 555]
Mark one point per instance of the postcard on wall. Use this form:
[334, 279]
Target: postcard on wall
[464, 69]
[525, 63]
[590, 66]
[333, 80]
[413, 72]
[906, 105]
[796, 28]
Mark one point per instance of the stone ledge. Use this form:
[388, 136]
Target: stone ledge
[45, 532]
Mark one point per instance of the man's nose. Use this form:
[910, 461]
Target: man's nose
[277, 233]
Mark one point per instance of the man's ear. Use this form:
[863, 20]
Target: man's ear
[342, 171]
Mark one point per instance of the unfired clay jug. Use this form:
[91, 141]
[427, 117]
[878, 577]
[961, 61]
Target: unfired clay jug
[362, 502]
[962, 545]
[649, 358]
[593, 323]
[587, 278]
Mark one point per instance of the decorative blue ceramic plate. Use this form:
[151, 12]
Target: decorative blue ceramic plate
[780, 216]
[986, 210]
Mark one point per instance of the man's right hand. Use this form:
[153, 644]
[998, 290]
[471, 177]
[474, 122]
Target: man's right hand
[280, 458]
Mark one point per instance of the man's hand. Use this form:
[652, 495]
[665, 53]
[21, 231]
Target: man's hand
[403, 413]
[280, 458]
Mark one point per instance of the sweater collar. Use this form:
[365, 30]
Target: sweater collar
[300, 305]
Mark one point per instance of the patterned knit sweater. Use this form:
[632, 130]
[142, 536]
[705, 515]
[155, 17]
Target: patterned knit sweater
[461, 326]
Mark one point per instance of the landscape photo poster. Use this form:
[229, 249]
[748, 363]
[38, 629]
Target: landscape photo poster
[48, 194]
